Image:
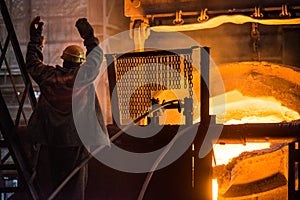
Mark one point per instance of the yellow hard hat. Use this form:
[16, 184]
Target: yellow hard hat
[73, 53]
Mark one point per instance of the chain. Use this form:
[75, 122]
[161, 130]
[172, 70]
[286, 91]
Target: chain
[189, 69]
[149, 73]
[255, 36]
[178, 69]
[185, 63]
[188, 73]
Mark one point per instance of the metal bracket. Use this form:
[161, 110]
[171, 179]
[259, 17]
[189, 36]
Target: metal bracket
[257, 13]
[139, 32]
[284, 12]
[203, 16]
[178, 19]
[255, 36]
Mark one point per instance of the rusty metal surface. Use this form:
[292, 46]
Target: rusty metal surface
[149, 7]
[231, 134]
[270, 132]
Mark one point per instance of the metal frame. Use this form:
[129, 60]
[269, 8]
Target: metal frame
[202, 170]
[165, 9]
[110, 58]
[12, 37]
[9, 129]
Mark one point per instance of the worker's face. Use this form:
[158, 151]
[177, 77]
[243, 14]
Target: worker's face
[68, 64]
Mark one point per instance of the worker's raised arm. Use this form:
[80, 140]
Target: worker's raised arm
[90, 69]
[34, 56]
[86, 31]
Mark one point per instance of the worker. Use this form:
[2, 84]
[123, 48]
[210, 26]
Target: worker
[58, 148]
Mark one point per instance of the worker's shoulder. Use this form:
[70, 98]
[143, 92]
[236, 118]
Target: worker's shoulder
[65, 70]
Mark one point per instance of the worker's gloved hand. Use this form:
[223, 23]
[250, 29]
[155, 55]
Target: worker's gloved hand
[36, 29]
[86, 31]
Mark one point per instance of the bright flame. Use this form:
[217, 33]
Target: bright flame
[240, 109]
[224, 153]
[215, 189]
[233, 107]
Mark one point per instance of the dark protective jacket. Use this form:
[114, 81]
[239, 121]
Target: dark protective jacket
[52, 121]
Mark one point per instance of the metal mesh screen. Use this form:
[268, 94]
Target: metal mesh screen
[139, 75]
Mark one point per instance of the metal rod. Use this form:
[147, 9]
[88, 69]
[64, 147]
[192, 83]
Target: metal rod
[4, 159]
[262, 132]
[204, 84]
[291, 172]
[21, 104]
[3, 50]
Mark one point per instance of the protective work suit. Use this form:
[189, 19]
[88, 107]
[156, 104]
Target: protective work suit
[52, 129]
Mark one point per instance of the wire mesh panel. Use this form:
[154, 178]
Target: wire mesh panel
[135, 77]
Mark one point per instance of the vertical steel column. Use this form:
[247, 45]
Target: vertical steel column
[110, 59]
[294, 170]
[203, 166]
[204, 85]
[188, 111]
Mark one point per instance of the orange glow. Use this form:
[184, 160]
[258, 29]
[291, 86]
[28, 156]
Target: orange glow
[222, 19]
[255, 92]
[224, 153]
[215, 189]
[248, 99]
[240, 109]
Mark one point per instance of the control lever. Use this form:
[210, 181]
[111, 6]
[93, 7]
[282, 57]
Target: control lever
[174, 104]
